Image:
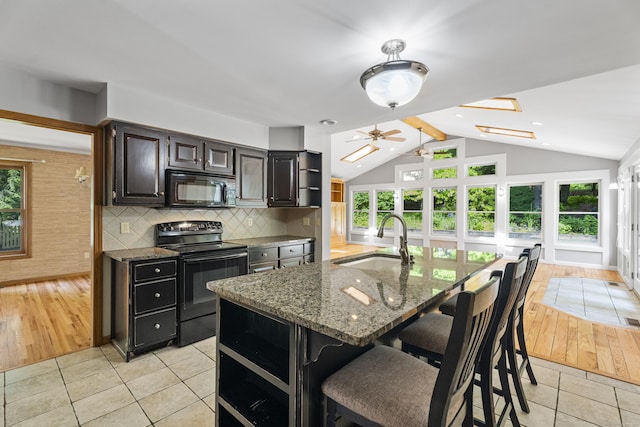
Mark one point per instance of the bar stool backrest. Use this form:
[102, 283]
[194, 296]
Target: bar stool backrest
[534, 255]
[452, 392]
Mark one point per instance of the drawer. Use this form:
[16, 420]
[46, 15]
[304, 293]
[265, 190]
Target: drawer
[291, 262]
[154, 327]
[154, 270]
[263, 266]
[154, 295]
[263, 255]
[291, 251]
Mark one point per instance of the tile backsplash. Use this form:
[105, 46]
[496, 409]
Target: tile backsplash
[265, 222]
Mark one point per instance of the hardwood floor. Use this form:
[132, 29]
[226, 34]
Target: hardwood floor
[42, 320]
[562, 338]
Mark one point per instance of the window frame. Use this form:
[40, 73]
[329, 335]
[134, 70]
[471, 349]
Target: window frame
[25, 210]
[599, 213]
[508, 211]
[439, 233]
[494, 211]
[400, 207]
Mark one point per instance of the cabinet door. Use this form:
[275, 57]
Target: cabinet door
[282, 186]
[185, 152]
[218, 157]
[140, 159]
[251, 176]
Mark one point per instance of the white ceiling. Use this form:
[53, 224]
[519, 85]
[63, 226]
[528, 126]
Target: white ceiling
[571, 64]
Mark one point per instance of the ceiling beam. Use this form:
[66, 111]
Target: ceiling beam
[418, 123]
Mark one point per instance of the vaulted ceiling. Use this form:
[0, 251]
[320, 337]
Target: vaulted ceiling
[571, 64]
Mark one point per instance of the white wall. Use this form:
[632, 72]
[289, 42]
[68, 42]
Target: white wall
[24, 93]
[135, 106]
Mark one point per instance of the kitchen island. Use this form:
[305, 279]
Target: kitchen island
[281, 333]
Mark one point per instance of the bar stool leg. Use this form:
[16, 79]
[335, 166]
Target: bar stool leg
[515, 371]
[506, 391]
[523, 351]
[486, 388]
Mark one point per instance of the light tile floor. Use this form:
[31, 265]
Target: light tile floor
[176, 387]
[593, 299]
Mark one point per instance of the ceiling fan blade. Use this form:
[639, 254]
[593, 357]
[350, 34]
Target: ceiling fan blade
[394, 138]
[362, 132]
[391, 132]
[359, 139]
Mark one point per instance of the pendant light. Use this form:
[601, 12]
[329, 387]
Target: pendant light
[395, 82]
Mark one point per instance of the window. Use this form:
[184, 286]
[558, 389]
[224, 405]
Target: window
[481, 212]
[13, 209]
[385, 204]
[444, 173]
[412, 209]
[525, 212]
[481, 170]
[444, 211]
[578, 216]
[361, 210]
[445, 153]
[412, 175]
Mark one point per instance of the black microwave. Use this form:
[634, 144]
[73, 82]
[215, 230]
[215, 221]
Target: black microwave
[193, 190]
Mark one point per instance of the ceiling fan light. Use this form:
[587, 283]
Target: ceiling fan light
[395, 82]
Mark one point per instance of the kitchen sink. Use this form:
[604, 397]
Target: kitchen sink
[375, 262]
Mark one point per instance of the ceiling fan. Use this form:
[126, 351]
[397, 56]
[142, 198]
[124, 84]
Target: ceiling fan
[422, 150]
[376, 134]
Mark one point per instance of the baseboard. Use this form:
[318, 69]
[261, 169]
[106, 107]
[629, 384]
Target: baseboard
[42, 279]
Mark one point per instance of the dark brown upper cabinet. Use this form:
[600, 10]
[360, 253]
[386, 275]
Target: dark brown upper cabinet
[251, 178]
[136, 161]
[188, 152]
[294, 179]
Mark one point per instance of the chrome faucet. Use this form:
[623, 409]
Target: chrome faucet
[404, 252]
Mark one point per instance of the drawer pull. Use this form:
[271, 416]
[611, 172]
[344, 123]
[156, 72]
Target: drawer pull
[157, 270]
[157, 295]
[264, 254]
[157, 326]
[291, 250]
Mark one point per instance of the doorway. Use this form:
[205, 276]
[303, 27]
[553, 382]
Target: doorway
[78, 172]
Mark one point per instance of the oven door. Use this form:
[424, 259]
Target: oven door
[198, 269]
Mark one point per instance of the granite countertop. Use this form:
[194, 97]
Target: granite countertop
[355, 305]
[270, 240]
[126, 255]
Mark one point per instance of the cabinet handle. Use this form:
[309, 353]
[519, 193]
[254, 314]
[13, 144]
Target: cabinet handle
[157, 270]
[157, 326]
[157, 295]
[264, 254]
[161, 193]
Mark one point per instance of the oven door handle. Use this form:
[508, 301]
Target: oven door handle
[217, 257]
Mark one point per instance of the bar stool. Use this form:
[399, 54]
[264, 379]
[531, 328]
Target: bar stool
[426, 337]
[386, 387]
[516, 331]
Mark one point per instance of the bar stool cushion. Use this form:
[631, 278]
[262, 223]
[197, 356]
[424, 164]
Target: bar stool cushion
[408, 385]
[431, 332]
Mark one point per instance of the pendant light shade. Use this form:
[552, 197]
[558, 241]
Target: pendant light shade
[395, 82]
